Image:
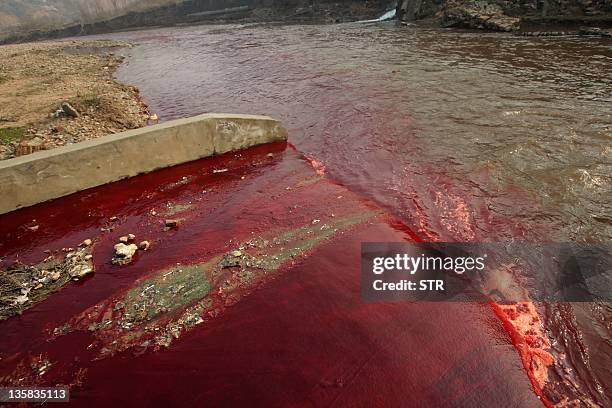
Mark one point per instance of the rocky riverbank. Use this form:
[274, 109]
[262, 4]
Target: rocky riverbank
[509, 15]
[58, 93]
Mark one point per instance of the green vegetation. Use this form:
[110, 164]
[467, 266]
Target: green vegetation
[169, 290]
[8, 135]
[89, 100]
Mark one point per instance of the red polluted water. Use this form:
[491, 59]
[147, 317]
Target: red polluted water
[383, 110]
[285, 328]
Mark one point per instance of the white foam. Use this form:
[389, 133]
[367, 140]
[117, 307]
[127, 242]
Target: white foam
[387, 16]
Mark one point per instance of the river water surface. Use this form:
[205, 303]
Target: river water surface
[464, 136]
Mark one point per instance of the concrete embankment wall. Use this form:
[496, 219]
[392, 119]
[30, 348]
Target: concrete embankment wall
[50, 174]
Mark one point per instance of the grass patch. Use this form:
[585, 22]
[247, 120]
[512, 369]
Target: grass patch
[89, 100]
[8, 135]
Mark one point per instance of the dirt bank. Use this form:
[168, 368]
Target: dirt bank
[58, 93]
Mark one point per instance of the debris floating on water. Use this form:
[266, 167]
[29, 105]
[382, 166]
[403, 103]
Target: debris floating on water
[231, 259]
[41, 367]
[22, 286]
[171, 223]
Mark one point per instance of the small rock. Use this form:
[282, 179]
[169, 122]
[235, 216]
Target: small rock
[34, 228]
[20, 300]
[124, 253]
[69, 110]
[55, 276]
[45, 280]
[56, 114]
[270, 155]
[87, 243]
[29, 146]
[131, 237]
[144, 245]
[5, 152]
[80, 270]
[154, 117]
[124, 239]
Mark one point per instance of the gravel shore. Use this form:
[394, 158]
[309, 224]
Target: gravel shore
[63, 92]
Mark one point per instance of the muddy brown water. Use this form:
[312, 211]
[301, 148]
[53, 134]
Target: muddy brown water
[464, 136]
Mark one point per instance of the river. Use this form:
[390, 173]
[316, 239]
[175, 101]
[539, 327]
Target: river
[465, 136]
[459, 135]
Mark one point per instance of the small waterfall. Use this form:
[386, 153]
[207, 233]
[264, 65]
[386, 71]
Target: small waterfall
[389, 15]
